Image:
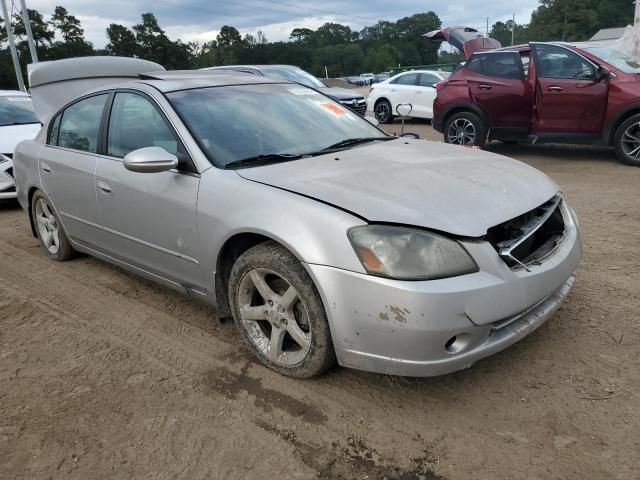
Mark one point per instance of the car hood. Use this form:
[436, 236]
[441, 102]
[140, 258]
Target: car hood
[338, 93]
[448, 188]
[12, 135]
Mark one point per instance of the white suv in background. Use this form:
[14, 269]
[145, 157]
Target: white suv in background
[18, 122]
[415, 87]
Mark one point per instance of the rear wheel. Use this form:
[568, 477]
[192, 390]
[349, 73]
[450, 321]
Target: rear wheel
[627, 141]
[383, 111]
[279, 312]
[465, 128]
[50, 231]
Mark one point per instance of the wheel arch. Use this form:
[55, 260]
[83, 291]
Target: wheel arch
[609, 132]
[30, 195]
[464, 107]
[232, 248]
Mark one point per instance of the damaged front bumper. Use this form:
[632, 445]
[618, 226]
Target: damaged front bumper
[428, 328]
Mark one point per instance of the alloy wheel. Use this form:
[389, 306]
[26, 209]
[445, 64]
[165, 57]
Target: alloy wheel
[382, 112]
[630, 142]
[47, 225]
[462, 132]
[274, 317]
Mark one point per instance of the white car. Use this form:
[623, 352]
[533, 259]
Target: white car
[18, 122]
[367, 78]
[415, 87]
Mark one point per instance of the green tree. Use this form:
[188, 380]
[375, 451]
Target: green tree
[43, 35]
[68, 25]
[122, 41]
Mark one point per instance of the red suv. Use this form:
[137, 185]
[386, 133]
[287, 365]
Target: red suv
[581, 93]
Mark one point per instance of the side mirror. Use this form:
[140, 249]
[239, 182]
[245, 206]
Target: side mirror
[602, 74]
[150, 160]
[372, 120]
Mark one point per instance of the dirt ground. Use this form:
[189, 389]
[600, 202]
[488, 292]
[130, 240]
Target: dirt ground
[106, 376]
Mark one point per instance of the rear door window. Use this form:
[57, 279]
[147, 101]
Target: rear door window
[80, 124]
[497, 64]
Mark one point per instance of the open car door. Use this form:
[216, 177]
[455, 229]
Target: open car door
[466, 39]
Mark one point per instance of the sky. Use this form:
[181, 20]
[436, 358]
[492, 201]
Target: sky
[200, 20]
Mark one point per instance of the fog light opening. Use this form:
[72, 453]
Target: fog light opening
[457, 343]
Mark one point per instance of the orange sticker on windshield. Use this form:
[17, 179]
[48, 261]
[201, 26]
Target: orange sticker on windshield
[333, 108]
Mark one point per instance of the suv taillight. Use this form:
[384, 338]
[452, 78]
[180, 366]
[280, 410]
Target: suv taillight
[440, 85]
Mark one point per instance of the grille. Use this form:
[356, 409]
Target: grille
[528, 239]
[360, 107]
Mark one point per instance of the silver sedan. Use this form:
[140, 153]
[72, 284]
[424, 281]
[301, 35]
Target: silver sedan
[324, 238]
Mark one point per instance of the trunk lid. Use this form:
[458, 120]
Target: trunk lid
[466, 39]
[55, 83]
[448, 188]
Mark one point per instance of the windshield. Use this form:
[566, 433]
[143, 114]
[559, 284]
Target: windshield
[238, 122]
[616, 58]
[294, 75]
[17, 110]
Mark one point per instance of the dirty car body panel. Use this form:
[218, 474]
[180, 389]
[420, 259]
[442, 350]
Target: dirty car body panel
[174, 226]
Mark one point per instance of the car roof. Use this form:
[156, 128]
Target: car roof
[255, 67]
[13, 93]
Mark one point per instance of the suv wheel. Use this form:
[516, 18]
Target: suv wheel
[465, 128]
[627, 141]
[383, 111]
[279, 312]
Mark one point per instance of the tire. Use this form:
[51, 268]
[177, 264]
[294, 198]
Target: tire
[465, 128]
[263, 303]
[50, 231]
[626, 141]
[383, 111]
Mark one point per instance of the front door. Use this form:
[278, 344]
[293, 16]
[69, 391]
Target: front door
[402, 92]
[425, 94]
[569, 98]
[67, 165]
[149, 219]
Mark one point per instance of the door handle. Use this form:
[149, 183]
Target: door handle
[418, 92]
[555, 89]
[484, 86]
[45, 168]
[104, 188]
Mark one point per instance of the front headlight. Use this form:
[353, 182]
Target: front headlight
[3, 158]
[409, 254]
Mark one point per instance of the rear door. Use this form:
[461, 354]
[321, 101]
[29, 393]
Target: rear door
[67, 165]
[568, 97]
[498, 85]
[425, 94]
[402, 90]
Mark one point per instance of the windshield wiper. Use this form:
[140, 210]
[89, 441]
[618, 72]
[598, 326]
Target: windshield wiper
[262, 159]
[350, 142]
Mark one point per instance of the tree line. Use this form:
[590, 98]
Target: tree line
[336, 47]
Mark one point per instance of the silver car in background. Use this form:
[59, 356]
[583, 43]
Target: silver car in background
[323, 237]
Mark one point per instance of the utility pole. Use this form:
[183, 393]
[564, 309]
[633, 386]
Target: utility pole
[487, 27]
[12, 45]
[513, 27]
[636, 17]
[27, 27]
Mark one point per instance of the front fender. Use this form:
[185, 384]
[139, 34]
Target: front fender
[316, 233]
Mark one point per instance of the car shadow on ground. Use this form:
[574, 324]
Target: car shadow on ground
[555, 152]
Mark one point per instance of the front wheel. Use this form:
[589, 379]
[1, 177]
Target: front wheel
[465, 128]
[279, 312]
[627, 141]
[383, 111]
